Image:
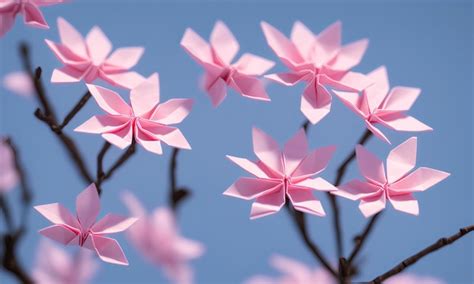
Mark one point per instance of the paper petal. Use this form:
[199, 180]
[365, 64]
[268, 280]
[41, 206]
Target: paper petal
[250, 188]
[33, 16]
[71, 38]
[282, 46]
[370, 166]
[98, 45]
[419, 180]
[250, 64]
[267, 150]
[59, 233]
[304, 201]
[57, 214]
[125, 58]
[173, 111]
[372, 205]
[249, 87]
[223, 42]
[405, 203]
[249, 166]
[112, 223]
[268, 204]
[401, 160]
[88, 206]
[315, 162]
[146, 95]
[109, 250]
[295, 151]
[109, 101]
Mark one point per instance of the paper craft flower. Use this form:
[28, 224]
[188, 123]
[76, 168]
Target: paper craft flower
[379, 104]
[19, 83]
[88, 59]
[397, 184]
[146, 120]
[157, 238]
[30, 9]
[282, 173]
[216, 59]
[56, 266]
[8, 174]
[319, 61]
[293, 272]
[83, 230]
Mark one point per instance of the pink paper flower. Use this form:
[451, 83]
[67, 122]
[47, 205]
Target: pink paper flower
[147, 121]
[8, 174]
[319, 61]
[33, 16]
[408, 278]
[19, 83]
[379, 104]
[216, 59]
[282, 173]
[83, 230]
[157, 238]
[397, 184]
[56, 266]
[294, 272]
[88, 59]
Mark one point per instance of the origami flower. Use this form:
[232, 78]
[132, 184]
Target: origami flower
[88, 59]
[19, 83]
[157, 238]
[216, 59]
[282, 173]
[320, 61]
[83, 230]
[56, 266]
[408, 278]
[30, 10]
[8, 174]
[147, 121]
[294, 272]
[397, 184]
[379, 105]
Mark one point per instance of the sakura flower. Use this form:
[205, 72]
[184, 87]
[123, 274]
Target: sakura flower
[157, 238]
[408, 278]
[33, 16]
[320, 61]
[146, 120]
[216, 59]
[379, 104]
[293, 272]
[8, 174]
[282, 173]
[83, 230]
[19, 83]
[56, 266]
[90, 59]
[396, 184]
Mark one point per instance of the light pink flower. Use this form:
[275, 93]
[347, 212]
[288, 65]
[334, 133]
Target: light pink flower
[408, 278]
[146, 120]
[397, 184]
[216, 59]
[83, 230]
[33, 16]
[157, 238]
[379, 104]
[8, 174]
[19, 83]
[282, 173]
[319, 61]
[56, 266]
[294, 272]
[90, 59]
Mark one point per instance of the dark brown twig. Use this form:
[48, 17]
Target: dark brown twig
[176, 194]
[360, 239]
[80, 104]
[430, 249]
[118, 163]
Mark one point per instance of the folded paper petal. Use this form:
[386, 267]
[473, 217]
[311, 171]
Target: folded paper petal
[170, 135]
[103, 124]
[71, 38]
[109, 100]
[317, 184]
[121, 137]
[315, 162]
[59, 233]
[173, 111]
[197, 47]
[372, 205]
[370, 166]
[419, 180]
[57, 214]
[249, 166]
[112, 223]
[217, 92]
[128, 80]
[108, 250]
[267, 150]
[356, 189]
[287, 79]
[303, 39]
[401, 160]
[249, 87]
[405, 203]
[350, 55]
[303, 200]
[294, 151]
[401, 98]
[403, 122]
[223, 42]
[268, 204]
[315, 102]
[254, 65]
[88, 206]
[124, 58]
[282, 46]
[34, 17]
[98, 45]
[251, 188]
[146, 95]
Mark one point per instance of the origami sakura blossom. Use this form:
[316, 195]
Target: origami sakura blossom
[33, 16]
[147, 121]
[19, 83]
[88, 59]
[56, 266]
[8, 174]
[294, 272]
[83, 230]
[397, 184]
[379, 105]
[408, 278]
[282, 173]
[319, 61]
[157, 238]
[216, 59]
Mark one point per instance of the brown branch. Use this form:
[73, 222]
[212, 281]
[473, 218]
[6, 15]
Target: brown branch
[361, 238]
[430, 249]
[79, 105]
[176, 194]
[117, 164]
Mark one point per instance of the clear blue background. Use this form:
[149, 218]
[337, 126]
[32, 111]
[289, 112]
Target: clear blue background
[423, 44]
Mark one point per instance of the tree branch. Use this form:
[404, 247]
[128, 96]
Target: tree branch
[176, 194]
[79, 105]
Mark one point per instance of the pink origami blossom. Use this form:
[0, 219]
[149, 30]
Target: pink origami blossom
[320, 61]
[282, 173]
[147, 121]
[19, 83]
[379, 104]
[8, 174]
[56, 266]
[216, 59]
[157, 238]
[33, 16]
[397, 184]
[408, 278]
[83, 230]
[88, 59]
[294, 272]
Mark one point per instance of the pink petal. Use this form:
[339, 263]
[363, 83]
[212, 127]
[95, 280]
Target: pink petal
[303, 200]
[188, 249]
[57, 214]
[351, 100]
[376, 132]
[372, 205]
[268, 204]
[124, 58]
[402, 122]
[33, 16]
[251, 188]
[59, 233]
[249, 87]
[329, 40]
[71, 38]
[267, 150]
[287, 79]
[112, 223]
[317, 184]
[401, 98]
[19, 83]
[67, 56]
[98, 44]
[379, 90]
[121, 137]
[217, 92]
[419, 180]
[7, 21]
[109, 100]
[197, 47]
[170, 135]
[47, 2]
[350, 55]
[249, 166]
[351, 82]
[103, 124]
[303, 39]
[370, 166]
[224, 43]
[401, 160]
[67, 74]
[405, 203]
[146, 96]
[250, 64]
[173, 111]
[315, 102]
[314, 163]
[133, 204]
[148, 140]
[356, 189]
[127, 80]
[109, 250]
[88, 206]
[295, 151]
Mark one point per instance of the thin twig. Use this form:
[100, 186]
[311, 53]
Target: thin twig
[120, 161]
[360, 239]
[176, 194]
[100, 166]
[80, 104]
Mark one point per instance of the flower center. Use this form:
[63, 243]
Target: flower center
[226, 75]
[83, 238]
